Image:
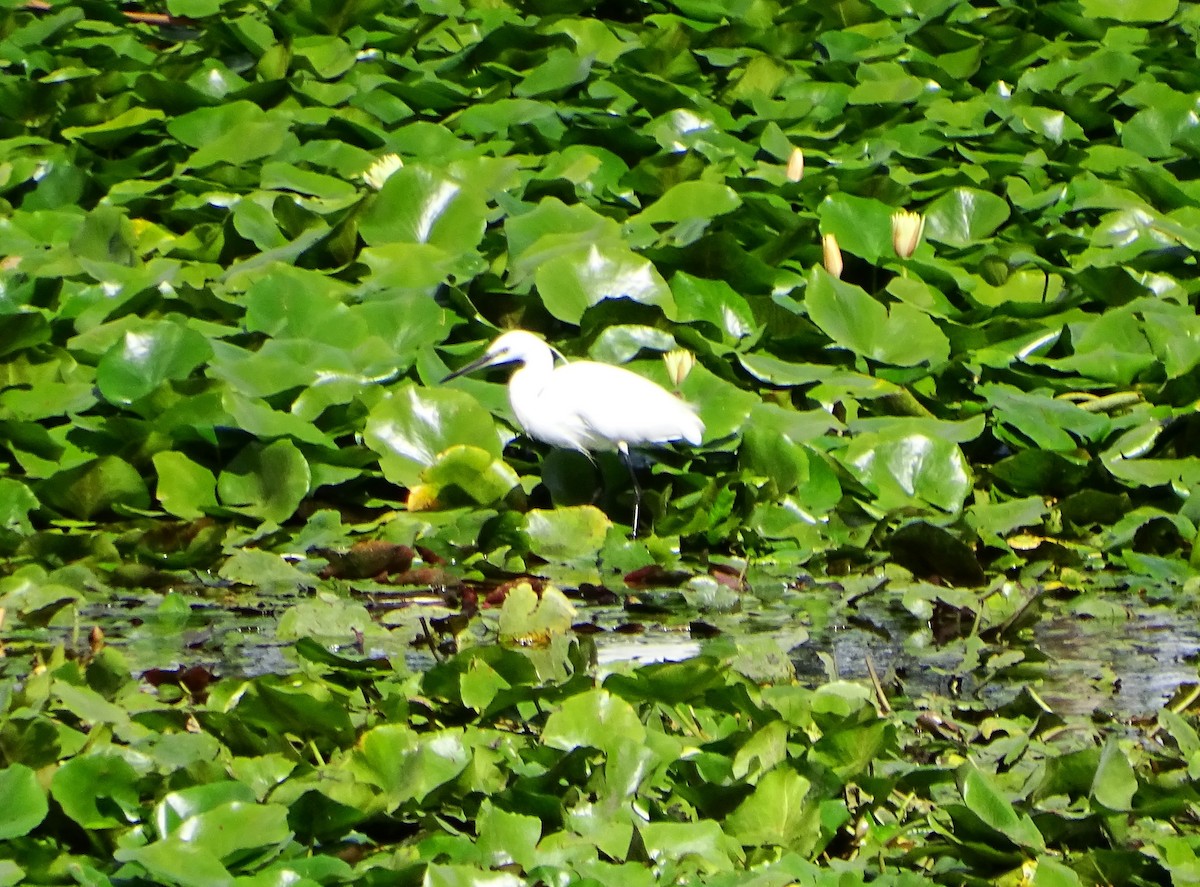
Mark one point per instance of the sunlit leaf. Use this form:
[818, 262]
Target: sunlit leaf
[147, 357]
[964, 216]
[412, 426]
[901, 335]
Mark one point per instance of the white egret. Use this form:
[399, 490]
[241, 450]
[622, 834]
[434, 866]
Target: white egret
[585, 405]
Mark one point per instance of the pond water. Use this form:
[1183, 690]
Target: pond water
[1127, 663]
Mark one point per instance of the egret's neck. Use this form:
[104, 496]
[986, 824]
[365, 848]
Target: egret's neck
[535, 369]
[527, 381]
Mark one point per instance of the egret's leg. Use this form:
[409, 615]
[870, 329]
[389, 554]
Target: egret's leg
[623, 448]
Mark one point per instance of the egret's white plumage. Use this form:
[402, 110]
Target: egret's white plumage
[585, 405]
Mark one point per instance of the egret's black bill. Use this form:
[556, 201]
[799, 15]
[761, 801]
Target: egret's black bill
[477, 364]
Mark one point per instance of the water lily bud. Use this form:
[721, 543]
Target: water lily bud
[833, 255]
[907, 229]
[679, 363]
[423, 497]
[795, 165]
[381, 170]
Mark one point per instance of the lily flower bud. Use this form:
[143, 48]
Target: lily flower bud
[833, 255]
[381, 170]
[795, 165]
[907, 229]
[679, 363]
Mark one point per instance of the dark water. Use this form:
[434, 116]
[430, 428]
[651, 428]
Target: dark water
[1126, 665]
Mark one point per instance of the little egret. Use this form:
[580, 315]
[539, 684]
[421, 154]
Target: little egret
[587, 406]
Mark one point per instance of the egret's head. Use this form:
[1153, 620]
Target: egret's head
[515, 346]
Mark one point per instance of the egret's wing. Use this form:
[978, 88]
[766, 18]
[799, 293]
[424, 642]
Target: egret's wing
[618, 405]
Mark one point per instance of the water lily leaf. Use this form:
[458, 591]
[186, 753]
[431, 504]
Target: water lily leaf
[234, 827]
[326, 55]
[982, 799]
[267, 482]
[1137, 472]
[338, 193]
[703, 841]
[1115, 783]
[235, 133]
[147, 356]
[1110, 348]
[476, 472]
[194, 8]
[1155, 131]
[1022, 287]
[715, 302]
[1050, 423]
[586, 274]
[910, 469]
[185, 489]
[689, 200]
[418, 204]
[414, 267]
[787, 465]
[279, 365]
[254, 219]
[178, 806]
[412, 426]
[265, 571]
[594, 719]
[885, 83]
[964, 216]
[779, 813]
[84, 783]
[94, 487]
[562, 69]
[1149, 11]
[567, 535]
[507, 838]
[177, 862]
[16, 501]
[25, 804]
[113, 132]
[407, 766]
[320, 618]
[550, 229]
[480, 684]
[903, 336]
[623, 342]
[1174, 334]
[1040, 471]
[532, 620]
[862, 225]
[254, 416]
[1050, 123]
[290, 302]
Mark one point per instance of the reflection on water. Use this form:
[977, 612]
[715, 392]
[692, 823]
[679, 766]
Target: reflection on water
[1141, 660]
[1127, 665]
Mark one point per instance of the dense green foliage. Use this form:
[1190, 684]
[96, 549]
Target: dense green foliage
[506, 767]
[209, 312]
[222, 338]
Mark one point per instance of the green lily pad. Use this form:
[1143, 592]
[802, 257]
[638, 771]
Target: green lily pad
[411, 427]
[901, 335]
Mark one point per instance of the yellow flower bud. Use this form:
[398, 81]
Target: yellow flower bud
[907, 229]
[679, 363]
[795, 165]
[381, 170]
[833, 255]
[423, 497]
